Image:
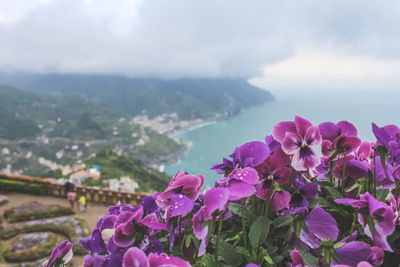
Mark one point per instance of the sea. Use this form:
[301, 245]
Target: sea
[212, 142]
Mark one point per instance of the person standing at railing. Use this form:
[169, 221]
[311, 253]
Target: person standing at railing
[71, 196]
[82, 203]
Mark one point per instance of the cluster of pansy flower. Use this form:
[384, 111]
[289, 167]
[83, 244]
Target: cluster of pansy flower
[307, 196]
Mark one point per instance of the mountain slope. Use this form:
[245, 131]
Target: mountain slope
[189, 98]
[65, 129]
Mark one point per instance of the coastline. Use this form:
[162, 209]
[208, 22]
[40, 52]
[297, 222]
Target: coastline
[195, 126]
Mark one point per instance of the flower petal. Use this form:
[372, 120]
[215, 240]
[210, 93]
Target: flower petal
[255, 152]
[304, 159]
[313, 137]
[309, 190]
[353, 252]
[280, 130]
[381, 135]
[322, 224]
[280, 200]
[180, 205]
[135, 257]
[157, 260]
[282, 175]
[151, 222]
[215, 199]
[247, 175]
[302, 125]
[328, 130]
[239, 190]
[347, 128]
[262, 192]
[291, 143]
[352, 202]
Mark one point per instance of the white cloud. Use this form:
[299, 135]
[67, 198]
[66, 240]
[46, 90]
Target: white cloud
[328, 69]
[15, 10]
[208, 38]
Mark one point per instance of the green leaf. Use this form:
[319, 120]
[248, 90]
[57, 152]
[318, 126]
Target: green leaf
[283, 221]
[242, 251]
[333, 192]
[259, 231]
[277, 259]
[229, 254]
[188, 238]
[383, 154]
[382, 194]
[309, 259]
[351, 188]
[207, 260]
[236, 209]
[266, 255]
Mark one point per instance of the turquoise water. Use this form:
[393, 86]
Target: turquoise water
[214, 141]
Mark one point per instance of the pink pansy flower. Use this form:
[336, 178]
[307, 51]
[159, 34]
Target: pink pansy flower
[299, 139]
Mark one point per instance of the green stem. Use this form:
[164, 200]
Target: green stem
[253, 198]
[344, 169]
[210, 228]
[219, 234]
[353, 225]
[244, 226]
[266, 207]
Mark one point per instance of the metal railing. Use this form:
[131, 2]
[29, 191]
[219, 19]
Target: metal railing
[101, 196]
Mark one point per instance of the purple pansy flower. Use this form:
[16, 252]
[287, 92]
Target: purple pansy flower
[385, 176]
[102, 232]
[158, 260]
[182, 183]
[300, 139]
[272, 143]
[149, 203]
[355, 169]
[330, 131]
[299, 200]
[389, 136]
[364, 152]
[321, 225]
[353, 253]
[180, 205]
[275, 172]
[214, 199]
[240, 183]
[377, 218]
[296, 258]
[249, 154]
[61, 254]
[88, 261]
[135, 257]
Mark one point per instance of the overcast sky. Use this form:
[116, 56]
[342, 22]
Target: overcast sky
[275, 44]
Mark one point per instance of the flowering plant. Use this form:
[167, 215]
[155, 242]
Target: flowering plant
[307, 196]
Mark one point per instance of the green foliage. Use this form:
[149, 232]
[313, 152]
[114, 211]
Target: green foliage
[52, 211]
[68, 120]
[65, 229]
[22, 187]
[21, 112]
[2, 260]
[190, 98]
[114, 166]
[31, 254]
[259, 231]
[229, 254]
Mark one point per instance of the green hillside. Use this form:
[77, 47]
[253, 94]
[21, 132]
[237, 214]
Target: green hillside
[190, 98]
[65, 129]
[114, 166]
